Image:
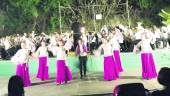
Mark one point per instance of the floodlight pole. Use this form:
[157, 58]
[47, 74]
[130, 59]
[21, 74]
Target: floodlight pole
[94, 19]
[60, 17]
[128, 15]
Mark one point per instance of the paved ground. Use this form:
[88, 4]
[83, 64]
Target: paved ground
[94, 84]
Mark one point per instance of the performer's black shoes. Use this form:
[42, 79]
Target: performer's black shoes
[83, 77]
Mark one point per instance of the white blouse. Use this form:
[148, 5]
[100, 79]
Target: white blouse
[107, 48]
[22, 56]
[115, 43]
[42, 51]
[61, 54]
[145, 46]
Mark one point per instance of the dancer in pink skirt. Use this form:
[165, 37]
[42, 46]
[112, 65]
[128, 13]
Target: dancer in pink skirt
[148, 65]
[42, 52]
[21, 59]
[63, 73]
[116, 38]
[110, 70]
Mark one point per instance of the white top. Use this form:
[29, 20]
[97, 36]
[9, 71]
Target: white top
[115, 43]
[165, 35]
[7, 44]
[151, 36]
[22, 56]
[138, 35]
[157, 35]
[61, 54]
[107, 48]
[145, 46]
[68, 44]
[42, 51]
[53, 49]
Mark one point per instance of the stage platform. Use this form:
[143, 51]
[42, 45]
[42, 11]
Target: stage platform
[94, 84]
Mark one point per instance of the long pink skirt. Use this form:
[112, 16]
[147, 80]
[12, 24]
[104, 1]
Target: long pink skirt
[63, 72]
[118, 60]
[22, 70]
[148, 66]
[110, 70]
[43, 69]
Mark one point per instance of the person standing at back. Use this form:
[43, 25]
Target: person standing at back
[81, 51]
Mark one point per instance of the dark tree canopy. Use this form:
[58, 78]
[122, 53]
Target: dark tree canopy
[20, 16]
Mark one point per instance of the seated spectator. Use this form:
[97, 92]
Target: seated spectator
[131, 89]
[3, 54]
[15, 86]
[163, 79]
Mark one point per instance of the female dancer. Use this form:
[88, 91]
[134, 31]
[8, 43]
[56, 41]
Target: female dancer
[116, 38]
[81, 51]
[21, 58]
[52, 47]
[69, 43]
[42, 52]
[63, 73]
[148, 65]
[110, 70]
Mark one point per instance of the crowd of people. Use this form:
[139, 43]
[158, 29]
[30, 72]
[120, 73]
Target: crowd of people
[131, 36]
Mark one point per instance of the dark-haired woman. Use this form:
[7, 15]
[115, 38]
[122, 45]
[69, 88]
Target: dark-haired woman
[163, 79]
[15, 86]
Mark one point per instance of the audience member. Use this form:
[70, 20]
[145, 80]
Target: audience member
[15, 86]
[163, 79]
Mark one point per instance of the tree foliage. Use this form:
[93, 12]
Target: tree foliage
[20, 16]
[166, 17]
